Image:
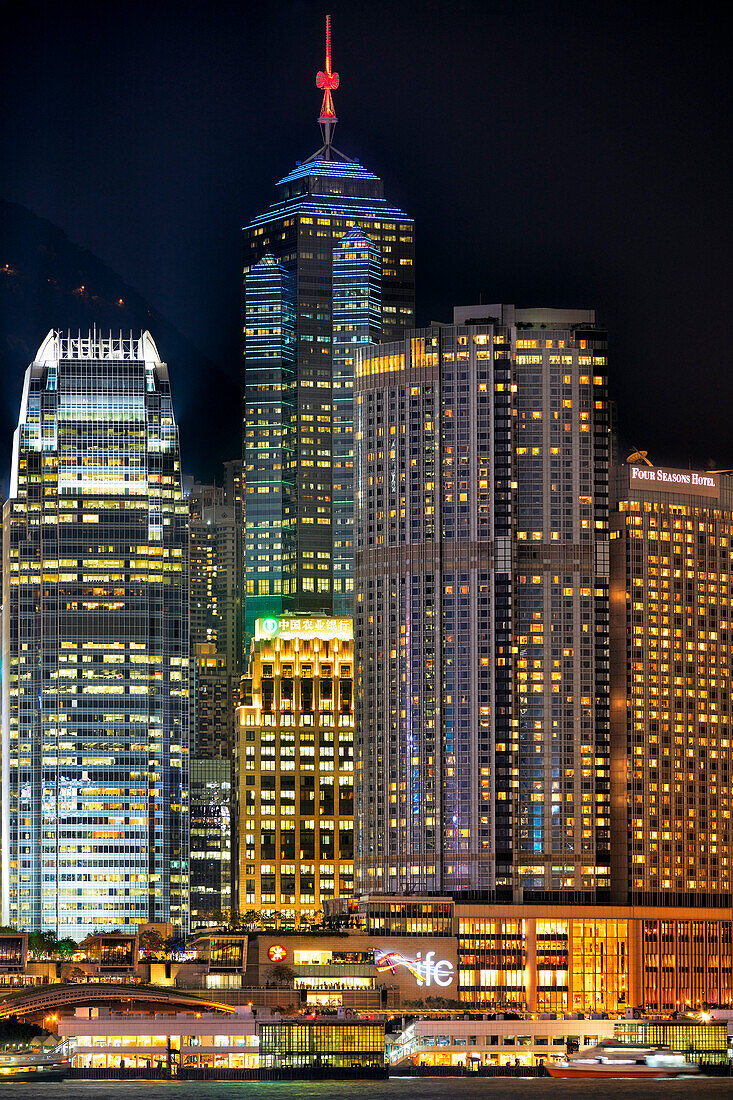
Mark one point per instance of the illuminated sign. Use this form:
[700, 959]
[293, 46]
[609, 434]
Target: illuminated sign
[656, 477]
[426, 971]
[302, 627]
[277, 953]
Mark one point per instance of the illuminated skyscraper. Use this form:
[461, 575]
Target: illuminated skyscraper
[296, 768]
[215, 531]
[270, 427]
[299, 316]
[214, 534]
[95, 644]
[481, 623]
[672, 710]
[357, 313]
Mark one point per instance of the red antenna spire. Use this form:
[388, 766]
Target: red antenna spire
[328, 44]
[327, 80]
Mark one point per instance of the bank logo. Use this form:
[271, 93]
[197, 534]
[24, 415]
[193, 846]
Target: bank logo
[426, 971]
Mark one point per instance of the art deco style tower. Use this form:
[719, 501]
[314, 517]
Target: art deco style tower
[481, 624]
[296, 768]
[95, 644]
[308, 295]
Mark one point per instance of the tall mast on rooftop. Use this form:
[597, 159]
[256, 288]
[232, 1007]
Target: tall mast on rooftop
[328, 81]
[329, 265]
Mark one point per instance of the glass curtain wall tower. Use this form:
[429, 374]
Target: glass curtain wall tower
[95, 644]
[269, 427]
[357, 319]
[292, 418]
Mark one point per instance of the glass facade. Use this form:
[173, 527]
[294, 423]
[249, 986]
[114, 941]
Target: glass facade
[321, 1042]
[215, 531]
[481, 614]
[561, 963]
[297, 408]
[493, 961]
[211, 839]
[270, 430]
[357, 319]
[599, 964]
[13, 953]
[396, 917]
[687, 962]
[95, 644]
[706, 1044]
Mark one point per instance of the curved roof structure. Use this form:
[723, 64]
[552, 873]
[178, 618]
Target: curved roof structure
[38, 1000]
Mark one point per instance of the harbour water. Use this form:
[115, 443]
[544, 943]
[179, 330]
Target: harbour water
[396, 1088]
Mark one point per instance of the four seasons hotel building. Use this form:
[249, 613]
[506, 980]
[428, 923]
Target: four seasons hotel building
[95, 644]
[672, 712]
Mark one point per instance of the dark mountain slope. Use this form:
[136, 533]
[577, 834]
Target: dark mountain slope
[46, 281]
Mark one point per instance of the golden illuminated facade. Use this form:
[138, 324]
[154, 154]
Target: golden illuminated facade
[295, 771]
[672, 635]
[569, 957]
[561, 960]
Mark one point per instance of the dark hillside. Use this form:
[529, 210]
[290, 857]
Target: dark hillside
[47, 282]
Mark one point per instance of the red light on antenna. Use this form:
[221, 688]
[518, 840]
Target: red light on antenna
[328, 81]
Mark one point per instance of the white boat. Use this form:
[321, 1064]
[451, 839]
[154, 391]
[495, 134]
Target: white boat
[615, 1059]
[33, 1063]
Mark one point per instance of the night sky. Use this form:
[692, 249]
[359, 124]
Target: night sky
[552, 154]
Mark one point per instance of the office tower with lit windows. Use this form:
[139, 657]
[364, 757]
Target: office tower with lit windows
[214, 552]
[95, 644]
[215, 535]
[309, 293]
[234, 498]
[268, 476]
[296, 768]
[357, 313]
[672, 711]
[481, 616]
[210, 839]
